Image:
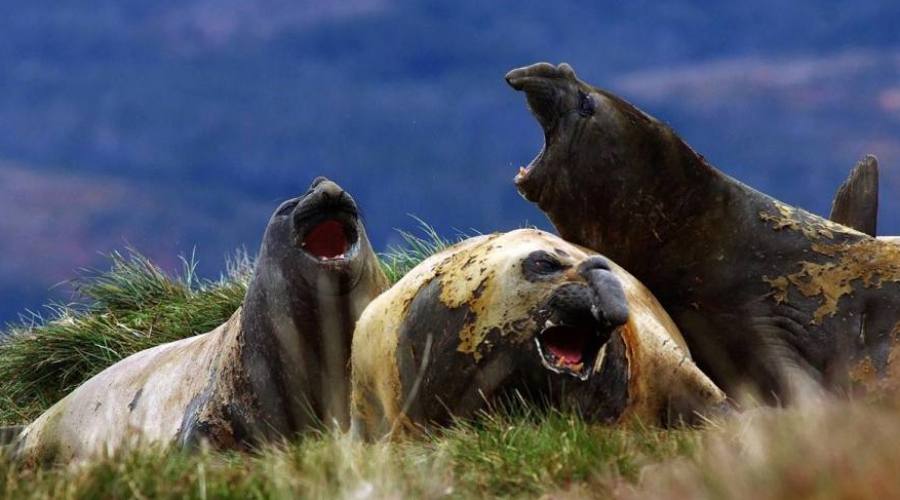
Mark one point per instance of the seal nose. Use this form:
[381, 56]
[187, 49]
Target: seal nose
[327, 189]
[609, 305]
[516, 78]
[318, 180]
[592, 263]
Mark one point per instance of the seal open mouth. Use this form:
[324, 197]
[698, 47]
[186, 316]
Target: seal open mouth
[329, 234]
[570, 350]
[328, 240]
[331, 238]
[541, 84]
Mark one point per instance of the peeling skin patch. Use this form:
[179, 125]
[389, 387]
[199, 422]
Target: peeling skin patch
[812, 227]
[865, 376]
[779, 286]
[868, 261]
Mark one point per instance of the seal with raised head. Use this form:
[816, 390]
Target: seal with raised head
[767, 296]
[277, 367]
[520, 315]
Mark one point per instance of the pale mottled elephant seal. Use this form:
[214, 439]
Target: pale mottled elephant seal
[519, 313]
[277, 367]
[765, 294]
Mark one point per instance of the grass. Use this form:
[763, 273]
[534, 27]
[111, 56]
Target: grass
[827, 450]
[505, 456]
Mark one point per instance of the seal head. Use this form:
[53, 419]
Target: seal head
[520, 315]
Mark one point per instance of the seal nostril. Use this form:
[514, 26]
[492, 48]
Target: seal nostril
[594, 263]
[318, 180]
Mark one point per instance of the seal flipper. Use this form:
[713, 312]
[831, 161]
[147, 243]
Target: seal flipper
[856, 201]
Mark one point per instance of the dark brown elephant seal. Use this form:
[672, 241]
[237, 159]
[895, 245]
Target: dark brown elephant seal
[522, 314]
[766, 295]
[278, 367]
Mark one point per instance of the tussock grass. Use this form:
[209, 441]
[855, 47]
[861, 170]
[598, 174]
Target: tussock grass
[131, 307]
[399, 260]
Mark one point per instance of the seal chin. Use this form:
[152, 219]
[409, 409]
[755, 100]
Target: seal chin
[571, 350]
[526, 183]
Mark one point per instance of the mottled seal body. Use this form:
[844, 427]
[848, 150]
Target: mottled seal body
[277, 367]
[766, 295]
[521, 314]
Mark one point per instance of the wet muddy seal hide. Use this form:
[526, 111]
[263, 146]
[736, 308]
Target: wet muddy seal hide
[277, 367]
[768, 296]
[519, 315]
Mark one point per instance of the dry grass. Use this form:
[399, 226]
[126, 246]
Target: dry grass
[833, 449]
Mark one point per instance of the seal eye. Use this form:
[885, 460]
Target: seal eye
[586, 104]
[547, 266]
[540, 265]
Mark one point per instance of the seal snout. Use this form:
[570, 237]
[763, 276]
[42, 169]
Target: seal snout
[580, 318]
[519, 77]
[326, 222]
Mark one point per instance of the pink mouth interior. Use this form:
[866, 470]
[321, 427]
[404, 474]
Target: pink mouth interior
[567, 344]
[327, 240]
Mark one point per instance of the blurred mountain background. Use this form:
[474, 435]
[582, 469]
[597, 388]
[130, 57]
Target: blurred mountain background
[173, 126]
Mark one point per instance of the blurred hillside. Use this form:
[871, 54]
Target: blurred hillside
[174, 125]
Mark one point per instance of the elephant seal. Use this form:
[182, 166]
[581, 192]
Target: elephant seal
[521, 314]
[769, 297]
[277, 367]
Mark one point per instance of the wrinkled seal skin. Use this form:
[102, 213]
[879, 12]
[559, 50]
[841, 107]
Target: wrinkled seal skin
[277, 367]
[462, 330]
[768, 296]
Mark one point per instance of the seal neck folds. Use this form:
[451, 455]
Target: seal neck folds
[316, 272]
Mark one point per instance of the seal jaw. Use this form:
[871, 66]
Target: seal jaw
[330, 237]
[548, 90]
[571, 350]
[326, 225]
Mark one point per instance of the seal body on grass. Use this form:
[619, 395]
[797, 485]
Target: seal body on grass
[768, 296]
[519, 315]
[277, 367]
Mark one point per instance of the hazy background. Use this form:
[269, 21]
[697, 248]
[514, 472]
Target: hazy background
[170, 125]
